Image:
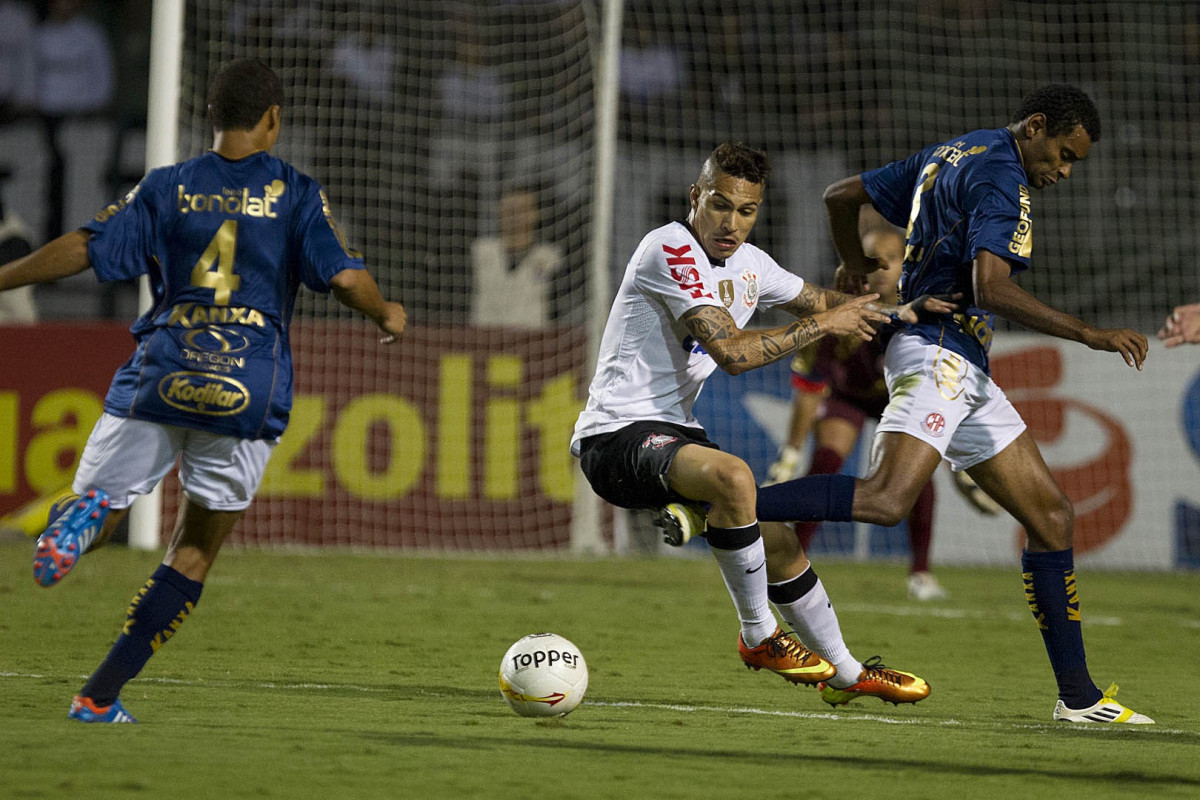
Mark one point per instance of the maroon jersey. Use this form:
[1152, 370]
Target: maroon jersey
[851, 369]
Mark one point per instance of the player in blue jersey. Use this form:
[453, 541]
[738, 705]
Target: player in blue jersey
[966, 206]
[226, 239]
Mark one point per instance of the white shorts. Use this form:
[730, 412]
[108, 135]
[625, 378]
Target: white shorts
[128, 457]
[946, 401]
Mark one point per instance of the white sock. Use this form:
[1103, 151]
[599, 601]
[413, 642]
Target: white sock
[816, 623]
[745, 574]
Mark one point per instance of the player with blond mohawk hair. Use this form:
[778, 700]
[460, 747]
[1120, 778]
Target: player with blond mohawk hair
[680, 313]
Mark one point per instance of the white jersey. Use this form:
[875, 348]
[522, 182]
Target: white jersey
[649, 367]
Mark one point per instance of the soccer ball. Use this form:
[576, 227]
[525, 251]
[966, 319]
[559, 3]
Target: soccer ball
[543, 675]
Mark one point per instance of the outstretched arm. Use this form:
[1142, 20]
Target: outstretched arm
[356, 289]
[60, 258]
[814, 299]
[995, 291]
[737, 351]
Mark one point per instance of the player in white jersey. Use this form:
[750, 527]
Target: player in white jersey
[680, 313]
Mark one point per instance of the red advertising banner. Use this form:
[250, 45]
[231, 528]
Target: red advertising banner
[450, 439]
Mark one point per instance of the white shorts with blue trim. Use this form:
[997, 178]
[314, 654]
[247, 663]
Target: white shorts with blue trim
[944, 400]
[128, 457]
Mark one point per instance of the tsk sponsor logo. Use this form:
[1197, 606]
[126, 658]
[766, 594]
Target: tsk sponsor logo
[201, 393]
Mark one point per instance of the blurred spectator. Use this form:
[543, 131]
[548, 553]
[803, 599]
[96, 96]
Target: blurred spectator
[513, 271]
[363, 60]
[474, 101]
[15, 241]
[18, 62]
[653, 76]
[75, 79]
[74, 62]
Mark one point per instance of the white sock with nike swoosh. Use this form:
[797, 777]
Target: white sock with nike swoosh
[812, 616]
[743, 565]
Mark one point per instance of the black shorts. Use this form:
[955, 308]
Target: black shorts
[628, 467]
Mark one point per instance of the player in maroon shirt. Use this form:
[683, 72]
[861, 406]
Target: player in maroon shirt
[839, 385]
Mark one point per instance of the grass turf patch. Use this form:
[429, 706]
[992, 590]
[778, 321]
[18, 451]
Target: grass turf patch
[359, 676]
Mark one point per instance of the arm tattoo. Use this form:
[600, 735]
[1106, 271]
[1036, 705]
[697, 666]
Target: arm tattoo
[736, 350]
[813, 298]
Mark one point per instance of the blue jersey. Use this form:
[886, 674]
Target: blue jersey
[226, 245]
[955, 199]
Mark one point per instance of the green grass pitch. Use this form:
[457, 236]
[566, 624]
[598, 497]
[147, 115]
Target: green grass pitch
[357, 676]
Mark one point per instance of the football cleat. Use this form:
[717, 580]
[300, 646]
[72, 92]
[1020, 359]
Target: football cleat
[71, 532]
[1105, 710]
[85, 709]
[923, 586]
[876, 680]
[679, 523]
[786, 657]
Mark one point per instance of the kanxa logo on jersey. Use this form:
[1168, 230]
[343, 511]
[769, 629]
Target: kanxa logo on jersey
[232, 201]
[191, 315]
[684, 272]
[204, 393]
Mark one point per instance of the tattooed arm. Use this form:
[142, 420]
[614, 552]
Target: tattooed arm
[813, 299]
[736, 350]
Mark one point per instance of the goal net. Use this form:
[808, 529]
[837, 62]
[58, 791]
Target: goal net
[453, 140]
[456, 139]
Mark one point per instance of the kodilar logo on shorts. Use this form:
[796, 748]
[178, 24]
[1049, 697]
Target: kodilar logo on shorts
[657, 441]
[934, 424]
[203, 393]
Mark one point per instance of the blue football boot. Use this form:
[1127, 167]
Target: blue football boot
[75, 522]
[85, 709]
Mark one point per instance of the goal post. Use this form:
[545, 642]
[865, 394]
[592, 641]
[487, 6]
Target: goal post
[162, 137]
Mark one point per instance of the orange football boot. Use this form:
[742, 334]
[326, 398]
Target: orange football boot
[786, 657]
[876, 680]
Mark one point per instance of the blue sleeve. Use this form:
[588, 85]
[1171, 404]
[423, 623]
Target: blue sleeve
[122, 243]
[891, 188]
[324, 251]
[1001, 221]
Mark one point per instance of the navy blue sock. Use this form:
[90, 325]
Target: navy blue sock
[1050, 591]
[153, 616]
[815, 498]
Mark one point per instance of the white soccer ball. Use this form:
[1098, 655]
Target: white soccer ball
[543, 675]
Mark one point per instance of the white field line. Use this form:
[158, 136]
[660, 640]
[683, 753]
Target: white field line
[827, 716]
[962, 613]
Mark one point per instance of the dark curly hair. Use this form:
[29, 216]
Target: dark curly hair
[1065, 106]
[241, 93]
[738, 160]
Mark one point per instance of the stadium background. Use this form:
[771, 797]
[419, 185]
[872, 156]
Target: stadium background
[419, 116]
